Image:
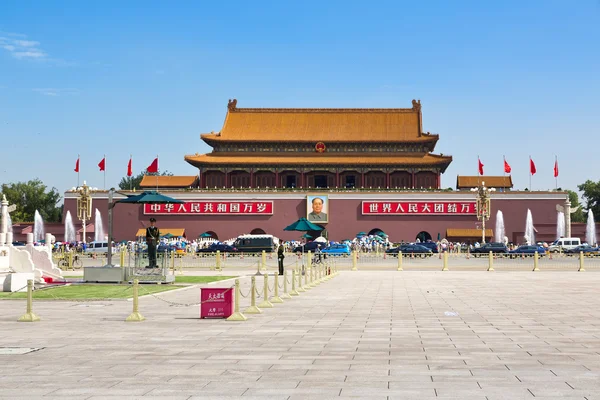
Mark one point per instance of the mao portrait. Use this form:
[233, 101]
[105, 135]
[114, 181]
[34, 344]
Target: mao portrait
[317, 208]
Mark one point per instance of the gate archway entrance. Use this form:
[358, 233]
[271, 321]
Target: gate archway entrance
[257, 231]
[423, 236]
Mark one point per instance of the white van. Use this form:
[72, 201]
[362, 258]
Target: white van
[97, 247]
[563, 244]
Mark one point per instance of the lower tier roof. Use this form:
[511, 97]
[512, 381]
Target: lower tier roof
[316, 159]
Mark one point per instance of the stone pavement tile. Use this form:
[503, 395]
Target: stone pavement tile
[365, 391]
[30, 397]
[79, 391]
[319, 397]
[375, 385]
[293, 392]
[507, 392]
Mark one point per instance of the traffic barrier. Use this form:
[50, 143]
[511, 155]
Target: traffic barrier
[400, 261]
[354, 260]
[135, 316]
[285, 294]
[253, 309]
[263, 261]
[29, 316]
[237, 315]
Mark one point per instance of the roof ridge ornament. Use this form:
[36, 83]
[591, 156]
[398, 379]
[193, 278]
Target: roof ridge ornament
[416, 105]
[232, 104]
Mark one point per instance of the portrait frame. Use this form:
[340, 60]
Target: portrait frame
[321, 217]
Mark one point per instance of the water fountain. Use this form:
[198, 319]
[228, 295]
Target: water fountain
[590, 229]
[499, 234]
[560, 225]
[69, 229]
[98, 227]
[38, 227]
[529, 232]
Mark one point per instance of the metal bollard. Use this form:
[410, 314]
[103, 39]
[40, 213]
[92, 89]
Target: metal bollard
[400, 261]
[263, 261]
[285, 294]
[70, 260]
[218, 265]
[135, 316]
[491, 262]
[29, 316]
[354, 261]
[253, 309]
[536, 257]
[445, 267]
[300, 288]
[294, 292]
[581, 269]
[266, 303]
[276, 298]
[173, 262]
[237, 315]
[122, 257]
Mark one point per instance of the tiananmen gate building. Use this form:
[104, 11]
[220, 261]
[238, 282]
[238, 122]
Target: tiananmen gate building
[349, 170]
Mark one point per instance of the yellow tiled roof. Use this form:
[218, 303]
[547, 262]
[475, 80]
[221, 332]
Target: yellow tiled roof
[149, 181]
[467, 233]
[323, 124]
[205, 160]
[463, 182]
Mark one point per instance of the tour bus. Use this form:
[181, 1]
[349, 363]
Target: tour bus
[563, 244]
[255, 243]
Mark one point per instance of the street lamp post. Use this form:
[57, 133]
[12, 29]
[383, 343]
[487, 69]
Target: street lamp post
[482, 206]
[84, 205]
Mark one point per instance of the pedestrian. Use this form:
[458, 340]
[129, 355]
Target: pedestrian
[152, 237]
[280, 257]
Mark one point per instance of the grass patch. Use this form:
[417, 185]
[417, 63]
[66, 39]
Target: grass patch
[89, 292]
[200, 279]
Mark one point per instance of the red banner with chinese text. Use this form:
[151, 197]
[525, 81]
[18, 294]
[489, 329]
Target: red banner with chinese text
[212, 208]
[418, 208]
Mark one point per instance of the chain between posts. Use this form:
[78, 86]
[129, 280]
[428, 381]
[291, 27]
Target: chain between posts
[175, 304]
[49, 289]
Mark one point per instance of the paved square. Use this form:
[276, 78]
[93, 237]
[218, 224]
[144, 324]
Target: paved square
[370, 335]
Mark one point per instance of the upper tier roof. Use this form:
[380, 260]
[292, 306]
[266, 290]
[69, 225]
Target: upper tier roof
[468, 182]
[166, 181]
[322, 124]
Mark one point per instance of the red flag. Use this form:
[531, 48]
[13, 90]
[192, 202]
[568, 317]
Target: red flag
[102, 164]
[480, 166]
[129, 171]
[153, 168]
[507, 167]
[77, 165]
[532, 169]
[556, 168]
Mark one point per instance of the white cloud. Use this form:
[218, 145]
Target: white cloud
[56, 91]
[20, 48]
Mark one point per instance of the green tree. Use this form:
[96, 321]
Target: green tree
[591, 196]
[31, 196]
[578, 215]
[133, 182]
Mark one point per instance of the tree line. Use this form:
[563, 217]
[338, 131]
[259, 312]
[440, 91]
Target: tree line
[34, 195]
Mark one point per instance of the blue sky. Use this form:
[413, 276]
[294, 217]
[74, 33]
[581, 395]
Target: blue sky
[497, 78]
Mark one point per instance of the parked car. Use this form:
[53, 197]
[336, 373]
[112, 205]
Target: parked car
[563, 244]
[222, 247]
[494, 247]
[312, 246]
[416, 249]
[527, 250]
[431, 246]
[337, 249]
[585, 248]
[255, 243]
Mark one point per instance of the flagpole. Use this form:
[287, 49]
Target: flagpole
[104, 172]
[530, 175]
[504, 166]
[130, 179]
[78, 169]
[555, 174]
[157, 172]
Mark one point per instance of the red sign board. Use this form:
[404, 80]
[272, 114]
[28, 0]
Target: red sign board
[212, 208]
[216, 303]
[418, 208]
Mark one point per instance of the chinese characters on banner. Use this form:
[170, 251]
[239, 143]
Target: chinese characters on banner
[212, 208]
[418, 207]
